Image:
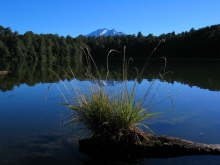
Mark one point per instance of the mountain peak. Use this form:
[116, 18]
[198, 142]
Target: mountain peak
[105, 32]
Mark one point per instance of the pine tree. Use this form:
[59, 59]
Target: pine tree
[4, 52]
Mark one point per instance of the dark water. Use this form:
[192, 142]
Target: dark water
[32, 112]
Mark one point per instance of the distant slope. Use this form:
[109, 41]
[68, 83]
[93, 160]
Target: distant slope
[105, 32]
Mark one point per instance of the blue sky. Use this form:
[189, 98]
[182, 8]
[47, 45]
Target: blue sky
[76, 17]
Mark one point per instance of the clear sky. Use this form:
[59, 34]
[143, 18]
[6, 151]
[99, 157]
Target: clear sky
[76, 17]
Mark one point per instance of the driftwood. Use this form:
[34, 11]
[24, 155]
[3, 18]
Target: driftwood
[148, 146]
[2, 73]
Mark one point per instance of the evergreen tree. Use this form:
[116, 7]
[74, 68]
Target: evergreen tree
[4, 53]
[140, 35]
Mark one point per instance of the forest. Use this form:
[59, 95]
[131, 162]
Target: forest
[54, 49]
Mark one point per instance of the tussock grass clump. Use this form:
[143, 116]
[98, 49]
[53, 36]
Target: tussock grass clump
[111, 116]
[108, 115]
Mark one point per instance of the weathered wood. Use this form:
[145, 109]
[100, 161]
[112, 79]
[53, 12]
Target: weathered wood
[2, 73]
[151, 146]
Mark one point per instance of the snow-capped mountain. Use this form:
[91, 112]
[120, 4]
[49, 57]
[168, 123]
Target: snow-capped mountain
[105, 32]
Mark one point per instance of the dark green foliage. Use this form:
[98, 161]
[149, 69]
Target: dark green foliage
[3, 50]
[140, 35]
[47, 48]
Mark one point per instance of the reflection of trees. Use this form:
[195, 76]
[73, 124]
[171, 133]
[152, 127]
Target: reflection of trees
[31, 73]
[201, 74]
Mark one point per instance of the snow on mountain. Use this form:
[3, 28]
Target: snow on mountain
[105, 32]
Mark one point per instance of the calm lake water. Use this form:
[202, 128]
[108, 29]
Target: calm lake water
[33, 115]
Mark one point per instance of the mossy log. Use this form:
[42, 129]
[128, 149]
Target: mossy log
[151, 146]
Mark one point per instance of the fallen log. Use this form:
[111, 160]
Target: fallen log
[151, 146]
[2, 73]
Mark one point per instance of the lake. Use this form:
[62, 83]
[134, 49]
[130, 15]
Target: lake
[33, 115]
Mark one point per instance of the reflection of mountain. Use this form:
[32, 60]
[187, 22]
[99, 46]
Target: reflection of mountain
[105, 82]
[201, 74]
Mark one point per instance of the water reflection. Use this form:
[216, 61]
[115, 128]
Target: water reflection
[202, 74]
[32, 111]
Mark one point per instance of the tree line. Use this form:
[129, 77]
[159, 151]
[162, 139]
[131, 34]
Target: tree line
[52, 48]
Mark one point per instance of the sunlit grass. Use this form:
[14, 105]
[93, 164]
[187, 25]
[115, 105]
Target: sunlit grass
[110, 115]
[106, 114]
